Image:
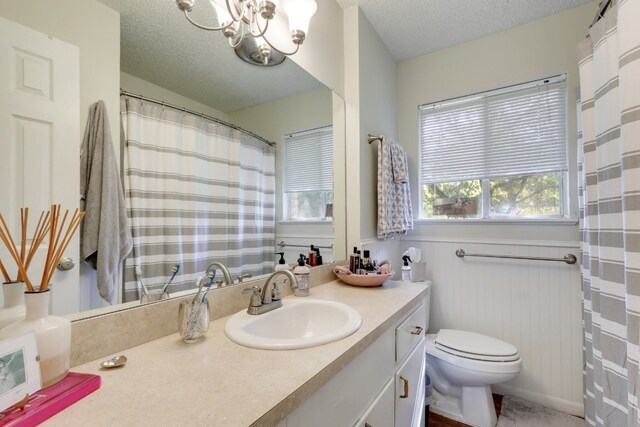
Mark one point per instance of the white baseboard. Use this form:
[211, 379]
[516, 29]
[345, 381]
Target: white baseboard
[566, 406]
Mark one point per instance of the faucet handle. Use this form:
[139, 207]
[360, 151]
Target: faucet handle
[241, 277]
[256, 299]
[276, 293]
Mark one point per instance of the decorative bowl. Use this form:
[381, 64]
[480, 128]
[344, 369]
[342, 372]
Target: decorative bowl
[365, 280]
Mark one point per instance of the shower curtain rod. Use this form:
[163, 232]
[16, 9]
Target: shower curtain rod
[196, 113]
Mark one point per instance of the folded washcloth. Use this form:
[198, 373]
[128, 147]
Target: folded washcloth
[399, 163]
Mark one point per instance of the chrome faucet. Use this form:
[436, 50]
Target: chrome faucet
[227, 277]
[269, 297]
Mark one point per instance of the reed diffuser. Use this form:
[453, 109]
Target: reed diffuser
[53, 333]
[49, 223]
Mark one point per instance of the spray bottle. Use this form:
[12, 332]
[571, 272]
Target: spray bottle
[406, 268]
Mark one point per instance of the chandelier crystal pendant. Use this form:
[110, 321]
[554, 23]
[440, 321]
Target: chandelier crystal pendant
[245, 24]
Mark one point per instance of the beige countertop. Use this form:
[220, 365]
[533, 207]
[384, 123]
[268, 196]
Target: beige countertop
[216, 382]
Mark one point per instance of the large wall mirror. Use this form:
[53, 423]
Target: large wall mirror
[157, 54]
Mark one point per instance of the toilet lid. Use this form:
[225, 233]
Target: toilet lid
[475, 346]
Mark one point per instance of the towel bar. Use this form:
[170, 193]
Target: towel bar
[568, 258]
[373, 138]
[282, 244]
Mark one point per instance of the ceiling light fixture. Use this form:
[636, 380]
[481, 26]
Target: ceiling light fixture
[245, 23]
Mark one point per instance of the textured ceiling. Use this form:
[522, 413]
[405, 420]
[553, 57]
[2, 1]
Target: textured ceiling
[160, 46]
[413, 28]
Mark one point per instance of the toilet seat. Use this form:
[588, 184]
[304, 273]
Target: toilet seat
[475, 346]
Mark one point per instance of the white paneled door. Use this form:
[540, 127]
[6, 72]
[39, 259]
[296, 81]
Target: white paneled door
[39, 143]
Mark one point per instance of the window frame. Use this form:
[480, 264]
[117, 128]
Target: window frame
[565, 217]
[286, 198]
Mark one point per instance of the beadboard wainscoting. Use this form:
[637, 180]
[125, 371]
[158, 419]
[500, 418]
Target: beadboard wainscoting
[291, 254]
[535, 305]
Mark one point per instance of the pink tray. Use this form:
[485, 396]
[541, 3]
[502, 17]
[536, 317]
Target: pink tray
[50, 400]
[365, 280]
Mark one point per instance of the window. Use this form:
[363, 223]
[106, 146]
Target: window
[497, 154]
[308, 175]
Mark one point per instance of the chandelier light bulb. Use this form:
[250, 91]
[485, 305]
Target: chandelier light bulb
[244, 23]
[299, 13]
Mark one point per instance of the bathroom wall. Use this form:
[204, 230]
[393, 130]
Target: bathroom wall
[541, 48]
[138, 86]
[372, 93]
[534, 305]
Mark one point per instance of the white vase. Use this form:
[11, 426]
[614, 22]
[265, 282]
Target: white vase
[53, 336]
[13, 309]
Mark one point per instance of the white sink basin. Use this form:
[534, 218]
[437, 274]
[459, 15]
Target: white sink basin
[299, 323]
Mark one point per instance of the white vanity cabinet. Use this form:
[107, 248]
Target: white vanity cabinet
[382, 387]
[380, 412]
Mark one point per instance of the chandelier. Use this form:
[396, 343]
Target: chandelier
[245, 23]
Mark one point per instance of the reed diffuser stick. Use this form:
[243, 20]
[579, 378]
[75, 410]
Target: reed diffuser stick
[5, 236]
[60, 245]
[24, 215]
[55, 211]
[5, 274]
[51, 224]
[38, 236]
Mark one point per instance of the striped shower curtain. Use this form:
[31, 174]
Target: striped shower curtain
[196, 192]
[609, 172]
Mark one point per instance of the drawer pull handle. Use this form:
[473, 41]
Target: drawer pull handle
[416, 330]
[406, 387]
[367, 425]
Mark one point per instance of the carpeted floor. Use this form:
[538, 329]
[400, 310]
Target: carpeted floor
[520, 413]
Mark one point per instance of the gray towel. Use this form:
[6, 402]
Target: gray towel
[105, 239]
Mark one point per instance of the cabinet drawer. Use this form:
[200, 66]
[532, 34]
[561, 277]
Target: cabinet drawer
[410, 388]
[410, 332]
[380, 413]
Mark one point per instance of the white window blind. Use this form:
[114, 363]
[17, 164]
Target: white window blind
[519, 130]
[308, 158]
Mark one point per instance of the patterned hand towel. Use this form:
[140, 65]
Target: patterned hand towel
[395, 216]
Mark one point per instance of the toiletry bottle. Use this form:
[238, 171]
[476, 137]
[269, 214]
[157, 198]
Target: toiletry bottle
[352, 260]
[313, 260]
[318, 256]
[406, 268]
[281, 265]
[302, 276]
[359, 266]
[368, 265]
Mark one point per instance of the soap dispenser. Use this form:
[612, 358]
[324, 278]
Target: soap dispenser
[281, 265]
[406, 268]
[301, 272]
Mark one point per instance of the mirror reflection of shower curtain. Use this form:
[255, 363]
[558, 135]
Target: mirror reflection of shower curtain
[196, 192]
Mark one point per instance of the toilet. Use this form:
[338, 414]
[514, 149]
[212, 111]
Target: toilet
[462, 366]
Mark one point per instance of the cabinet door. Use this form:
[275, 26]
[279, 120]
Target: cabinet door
[409, 384]
[380, 413]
